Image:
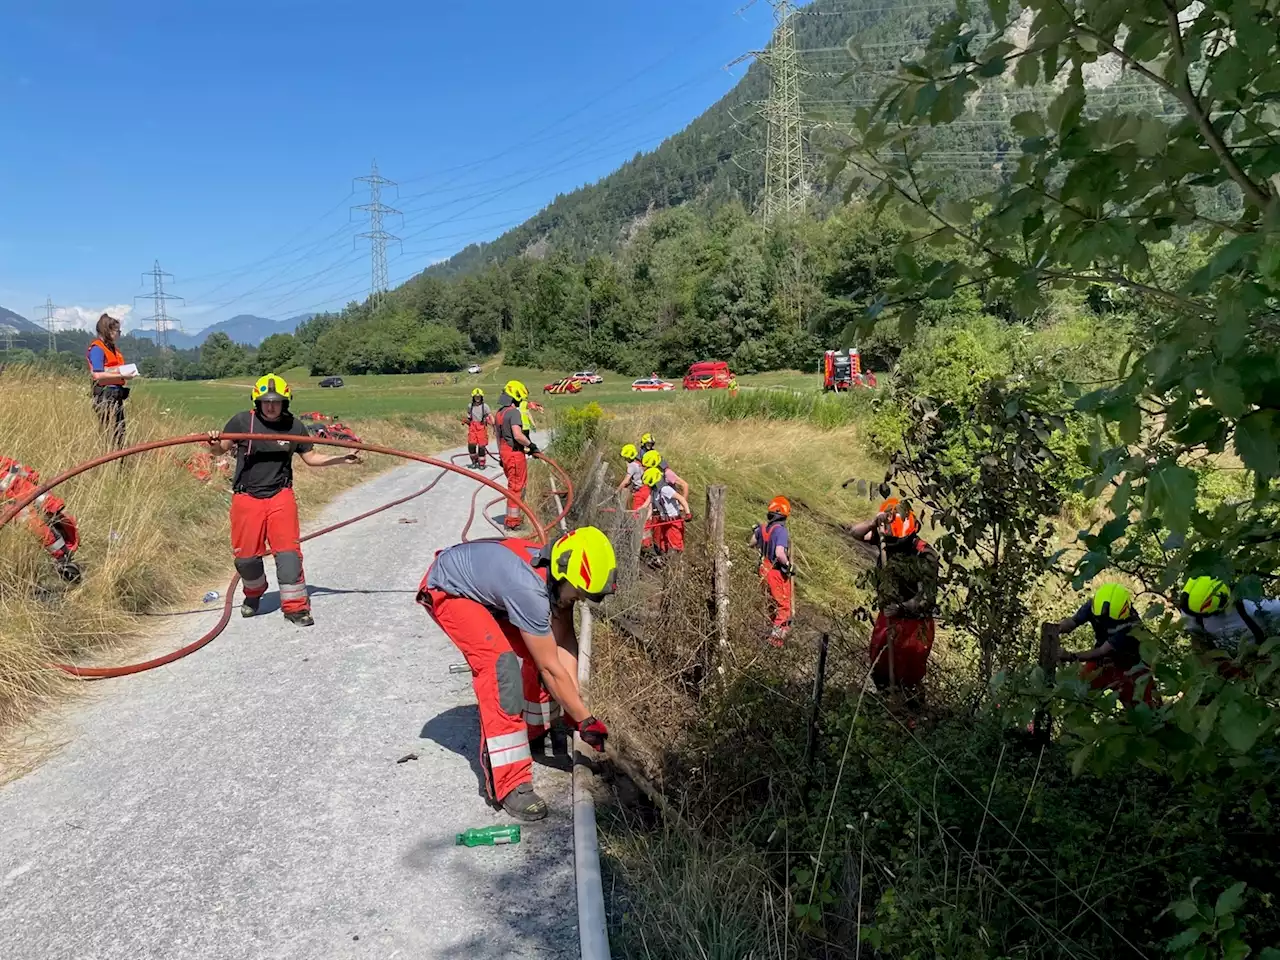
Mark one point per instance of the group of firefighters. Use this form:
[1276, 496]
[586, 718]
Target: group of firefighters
[507, 604]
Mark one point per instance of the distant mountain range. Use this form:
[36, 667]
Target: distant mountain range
[244, 328]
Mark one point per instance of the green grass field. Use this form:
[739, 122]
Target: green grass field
[388, 395]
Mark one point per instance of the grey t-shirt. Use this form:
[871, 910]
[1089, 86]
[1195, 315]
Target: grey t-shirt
[635, 474]
[489, 573]
[1225, 630]
[509, 417]
[478, 412]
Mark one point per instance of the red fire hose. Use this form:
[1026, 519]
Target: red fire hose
[95, 673]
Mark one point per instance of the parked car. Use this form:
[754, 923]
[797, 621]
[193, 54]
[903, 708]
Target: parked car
[710, 375]
[649, 384]
[564, 385]
[331, 382]
[587, 376]
[474, 368]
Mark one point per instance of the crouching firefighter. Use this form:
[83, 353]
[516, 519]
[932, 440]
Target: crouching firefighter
[507, 605]
[514, 446]
[906, 588]
[773, 540]
[668, 511]
[1114, 662]
[264, 513]
[478, 419]
[46, 516]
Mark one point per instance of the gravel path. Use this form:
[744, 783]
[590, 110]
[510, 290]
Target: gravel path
[246, 802]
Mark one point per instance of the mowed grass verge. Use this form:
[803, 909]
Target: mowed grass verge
[152, 536]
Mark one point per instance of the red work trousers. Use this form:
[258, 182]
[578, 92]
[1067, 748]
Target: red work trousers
[668, 535]
[638, 499]
[515, 464]
[908, 643]
[1110, 676]
[257, 523]
[514, 706]
[779, 589]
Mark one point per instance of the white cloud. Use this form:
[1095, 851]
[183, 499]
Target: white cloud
[86, 318]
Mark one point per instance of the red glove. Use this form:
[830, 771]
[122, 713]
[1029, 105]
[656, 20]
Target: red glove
[593, 732]
[688, 516]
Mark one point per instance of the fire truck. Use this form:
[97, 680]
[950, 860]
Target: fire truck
[843, 371]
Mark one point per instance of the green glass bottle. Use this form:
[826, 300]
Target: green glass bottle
[489, 836]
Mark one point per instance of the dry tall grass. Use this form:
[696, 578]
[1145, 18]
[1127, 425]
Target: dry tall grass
[152, 535]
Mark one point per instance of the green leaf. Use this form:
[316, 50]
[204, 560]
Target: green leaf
[1171, 495]
[1152, 138]
[1225, 391]
[1236, 950]
[906, 266]
[1233, 253]
[1256, 441]
[999, 12]
[1130, 424]
[1185, 910]
[1229, 900]
[907, 322]
[1183, 940]
[1240, 727]
[1029, 123]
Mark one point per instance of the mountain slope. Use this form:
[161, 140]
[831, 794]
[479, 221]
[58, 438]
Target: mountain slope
[719, 158]
[10, 321]
[244, 328]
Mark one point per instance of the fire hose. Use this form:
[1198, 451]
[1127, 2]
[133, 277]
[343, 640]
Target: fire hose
[97, 673]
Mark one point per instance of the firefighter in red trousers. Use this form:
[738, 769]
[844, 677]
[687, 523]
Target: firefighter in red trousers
[478, 418]
[46, 516]
[773, 540]
[514, 445]
[506, 601]
[264, 512]
[1114, 662]
[906, 585]
[667, 513]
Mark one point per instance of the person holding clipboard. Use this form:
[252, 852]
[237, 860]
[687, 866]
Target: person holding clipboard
[110, 375]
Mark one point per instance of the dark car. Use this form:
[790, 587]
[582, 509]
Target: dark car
[331, 382]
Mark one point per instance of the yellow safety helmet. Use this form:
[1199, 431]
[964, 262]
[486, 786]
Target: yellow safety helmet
[652, 458]
[477, 392]
[646, 440]
[1202, 596]
[271, 387]
[629, 451]
[1112, 602]
[584, 558]
[652, 476]
[516, 390]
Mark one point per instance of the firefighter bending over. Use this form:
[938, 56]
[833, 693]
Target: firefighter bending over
[667, 513]
[773, 540]
[264, 512]
[653, 458]
[478, 418]
[502, 602]
[906, 587]
[46, 516]
[1114, 662]
[514, 446]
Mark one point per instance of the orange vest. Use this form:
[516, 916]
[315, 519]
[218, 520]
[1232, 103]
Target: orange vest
[114, 359]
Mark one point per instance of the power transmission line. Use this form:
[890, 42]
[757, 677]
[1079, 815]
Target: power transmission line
[50, 322]
[376, 235]
[160, 320]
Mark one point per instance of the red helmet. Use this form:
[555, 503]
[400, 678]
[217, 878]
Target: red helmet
[903, 522]
[780, 506]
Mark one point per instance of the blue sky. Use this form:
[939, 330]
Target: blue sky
[222, 137]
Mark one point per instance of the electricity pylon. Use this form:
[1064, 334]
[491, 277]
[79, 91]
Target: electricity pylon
[376, 235]
[161, 322]
[50, 321]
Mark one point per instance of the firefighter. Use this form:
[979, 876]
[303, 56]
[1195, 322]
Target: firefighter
[110, 388]
[1214, 621]
[263, 509]
[773, 540]
[667, 511]
[655, 459]
[1114, 662]
[633, 479]
[514, 445]
[46, 515]
[506, 601]
[647, 443]
[906, 585]
[478, 418]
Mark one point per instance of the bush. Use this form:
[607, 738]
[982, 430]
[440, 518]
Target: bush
[576, 428]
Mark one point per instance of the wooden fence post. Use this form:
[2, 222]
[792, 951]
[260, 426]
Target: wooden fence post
[1042, 723]
[718, 552]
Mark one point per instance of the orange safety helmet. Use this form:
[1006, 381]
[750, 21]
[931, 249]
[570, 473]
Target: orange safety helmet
[780, 506]
[904, 522]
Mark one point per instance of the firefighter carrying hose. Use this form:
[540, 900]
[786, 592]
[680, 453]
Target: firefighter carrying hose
[906, 585]
[1114, 662]
[264, 512]
[667, 512]
[502, 602]
[773, 540]
[46, 516]
[514, 445]
[478, 419]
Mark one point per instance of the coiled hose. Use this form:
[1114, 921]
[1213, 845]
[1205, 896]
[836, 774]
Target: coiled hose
[99, 673]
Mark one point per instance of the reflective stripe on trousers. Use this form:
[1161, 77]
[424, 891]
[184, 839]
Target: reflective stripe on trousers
[508, 748]
[538, 714]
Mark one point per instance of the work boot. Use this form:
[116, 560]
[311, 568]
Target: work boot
[778, 636]
[249, 606]
[301, 618]
[523, 804]
[67, 569]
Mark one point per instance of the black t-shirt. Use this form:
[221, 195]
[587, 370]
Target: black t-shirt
[264, 468]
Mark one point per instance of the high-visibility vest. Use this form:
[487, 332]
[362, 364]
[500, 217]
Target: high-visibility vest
[769, 550]
[114, 358]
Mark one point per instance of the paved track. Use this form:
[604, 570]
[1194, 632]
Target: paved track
[246, 802]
